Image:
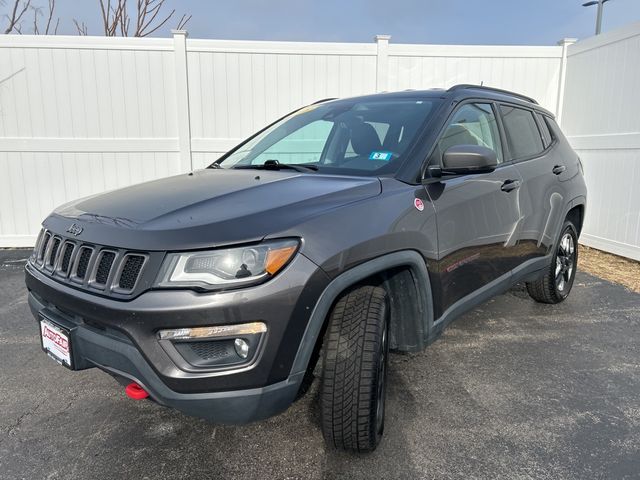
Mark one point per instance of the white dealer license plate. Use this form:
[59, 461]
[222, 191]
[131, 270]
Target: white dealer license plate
[56, 342]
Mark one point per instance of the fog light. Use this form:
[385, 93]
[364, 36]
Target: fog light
[215, 346]
[242, 347]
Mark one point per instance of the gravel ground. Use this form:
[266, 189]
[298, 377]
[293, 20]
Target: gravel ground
[610, 267]
[513, 389]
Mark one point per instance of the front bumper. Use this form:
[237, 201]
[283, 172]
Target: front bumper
[120, 337]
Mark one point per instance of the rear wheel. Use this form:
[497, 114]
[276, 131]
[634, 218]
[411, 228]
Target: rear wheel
[354, 378]
[554, 286]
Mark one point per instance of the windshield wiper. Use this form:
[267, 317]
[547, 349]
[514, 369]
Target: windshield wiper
[276, 165]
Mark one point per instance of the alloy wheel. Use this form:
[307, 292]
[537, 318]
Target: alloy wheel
[565, 262]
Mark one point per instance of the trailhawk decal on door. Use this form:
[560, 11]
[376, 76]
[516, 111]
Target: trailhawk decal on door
[464, 261]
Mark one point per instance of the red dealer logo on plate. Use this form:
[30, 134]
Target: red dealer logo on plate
[56, 338]
[419, 204]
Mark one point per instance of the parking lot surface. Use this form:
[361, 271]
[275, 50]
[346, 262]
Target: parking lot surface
[513, 389]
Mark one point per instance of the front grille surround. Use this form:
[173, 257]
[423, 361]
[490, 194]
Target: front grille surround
[102, 269]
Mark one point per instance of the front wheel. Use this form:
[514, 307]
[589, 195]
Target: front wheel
[354, 378]
[554, 286]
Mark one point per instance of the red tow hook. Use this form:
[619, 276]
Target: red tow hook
[135, 391]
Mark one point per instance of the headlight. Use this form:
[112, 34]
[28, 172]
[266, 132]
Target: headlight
[229, 267]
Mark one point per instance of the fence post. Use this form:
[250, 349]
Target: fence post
[182, 99]
[564, 43]
[382, 62]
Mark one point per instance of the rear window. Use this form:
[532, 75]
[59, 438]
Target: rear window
[523, 135]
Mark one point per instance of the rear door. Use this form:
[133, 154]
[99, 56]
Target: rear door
[532, 148]
[475, 214]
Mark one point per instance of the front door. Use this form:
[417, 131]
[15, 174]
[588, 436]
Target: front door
[477, 215]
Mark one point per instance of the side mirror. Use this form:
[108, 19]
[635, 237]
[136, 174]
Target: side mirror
[466, 159]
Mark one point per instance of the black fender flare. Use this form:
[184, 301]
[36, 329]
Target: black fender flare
[404, 258]
[578, 201]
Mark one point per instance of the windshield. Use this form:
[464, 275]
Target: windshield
[351, 137]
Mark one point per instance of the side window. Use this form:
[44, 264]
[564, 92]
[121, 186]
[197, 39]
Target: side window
[304, 145]
[544, 129]
[472, 124]
[522, 131]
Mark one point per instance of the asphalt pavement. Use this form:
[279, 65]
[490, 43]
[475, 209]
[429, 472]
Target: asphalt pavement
[514, 389]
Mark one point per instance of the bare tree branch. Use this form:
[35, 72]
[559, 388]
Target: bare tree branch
[183, 22]
[148, 10]
[16, 15]
[116, 17]
[105, 15]
[36, 12]
[52, 7]
[18, 12]
[125, 20]
[80, 27]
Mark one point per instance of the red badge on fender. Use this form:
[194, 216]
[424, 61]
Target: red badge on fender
[419, 204]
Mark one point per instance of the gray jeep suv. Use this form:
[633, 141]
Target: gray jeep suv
[345, 229]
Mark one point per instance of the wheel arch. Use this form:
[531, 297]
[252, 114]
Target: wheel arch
[576, 216]
[405, 278]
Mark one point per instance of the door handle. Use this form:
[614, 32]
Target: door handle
[509, 185]
[558, 169]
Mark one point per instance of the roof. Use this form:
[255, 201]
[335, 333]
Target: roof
[459, 92]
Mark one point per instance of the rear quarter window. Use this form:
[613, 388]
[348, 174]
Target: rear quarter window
[556, 133]
[547, 136]
[523, 135]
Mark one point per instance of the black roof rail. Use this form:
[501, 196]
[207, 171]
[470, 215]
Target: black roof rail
[492, 89]
[324, 100]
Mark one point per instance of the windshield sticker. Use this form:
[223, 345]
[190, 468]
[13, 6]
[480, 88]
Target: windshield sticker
[386, 156]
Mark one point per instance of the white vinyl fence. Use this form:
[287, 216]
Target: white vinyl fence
[601, 117]
[80, 115]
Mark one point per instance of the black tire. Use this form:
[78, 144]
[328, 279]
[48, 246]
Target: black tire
[354, 376]
[555, 285]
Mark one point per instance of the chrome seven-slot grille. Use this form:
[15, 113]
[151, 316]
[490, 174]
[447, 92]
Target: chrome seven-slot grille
[88, 265]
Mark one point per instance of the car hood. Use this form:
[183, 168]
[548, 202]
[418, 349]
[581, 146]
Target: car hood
[207, 208]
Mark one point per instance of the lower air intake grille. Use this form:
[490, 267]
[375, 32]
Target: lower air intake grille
[212, 350]
[130, 271]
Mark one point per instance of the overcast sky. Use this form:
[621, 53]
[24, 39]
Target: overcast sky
[540, 22]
